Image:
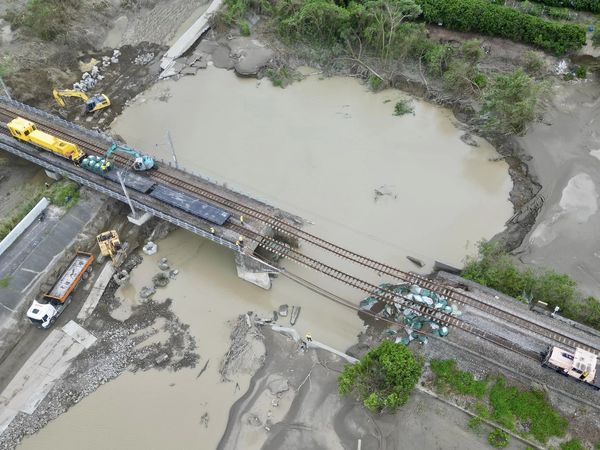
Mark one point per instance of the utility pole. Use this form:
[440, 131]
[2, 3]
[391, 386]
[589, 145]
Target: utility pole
[6, 91]
[172, 149]
[126, 194]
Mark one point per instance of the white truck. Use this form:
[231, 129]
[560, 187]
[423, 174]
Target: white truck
[43, 313]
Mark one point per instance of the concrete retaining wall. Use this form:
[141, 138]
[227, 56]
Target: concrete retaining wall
[23, 224]
[188, 38]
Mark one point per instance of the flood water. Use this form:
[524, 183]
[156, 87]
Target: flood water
[319, 149]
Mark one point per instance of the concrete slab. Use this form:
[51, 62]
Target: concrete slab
[39, 374]
[96, 292]
[80, 334]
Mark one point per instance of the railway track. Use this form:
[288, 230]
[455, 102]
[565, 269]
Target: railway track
[287, 252]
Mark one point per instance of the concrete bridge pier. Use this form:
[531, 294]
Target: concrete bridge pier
[253, 271]
[139, 218]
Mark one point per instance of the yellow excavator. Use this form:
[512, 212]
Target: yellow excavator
[110, 245]
[92, 104]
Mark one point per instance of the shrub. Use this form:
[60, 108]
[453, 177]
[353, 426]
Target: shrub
[512, 101]
[582, 5]
[437, 58]
[244, 28]
[497, 20]
[375, 82]
[403, 107]
[280, 76]
[581, 72]
[596, 37]
[498, 438]
[383, 378]
[494, 268]
[318, 21]
[458, 380]
[558, 13]
[533, 63]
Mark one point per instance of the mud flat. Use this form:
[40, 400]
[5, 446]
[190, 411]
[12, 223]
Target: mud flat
[565, 152]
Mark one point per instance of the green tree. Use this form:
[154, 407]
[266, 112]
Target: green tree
[512, 101]
[384, 19]
[383, 378]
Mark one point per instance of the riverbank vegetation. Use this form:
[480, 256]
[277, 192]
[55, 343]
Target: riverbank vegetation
[493, 267]
[383, 378]
[388, 37]
[494, 399]
[46, 19]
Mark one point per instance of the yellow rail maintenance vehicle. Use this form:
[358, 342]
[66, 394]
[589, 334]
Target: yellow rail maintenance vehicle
[26, 131]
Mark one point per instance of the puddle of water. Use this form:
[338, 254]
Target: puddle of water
[318, 148]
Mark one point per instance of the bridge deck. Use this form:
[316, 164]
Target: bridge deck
[92, 141]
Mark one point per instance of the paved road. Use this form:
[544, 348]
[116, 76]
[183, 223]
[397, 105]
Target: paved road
[27, 259]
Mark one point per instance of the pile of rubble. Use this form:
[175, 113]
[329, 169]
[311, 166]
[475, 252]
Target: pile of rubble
[90, 78]
[405, 312]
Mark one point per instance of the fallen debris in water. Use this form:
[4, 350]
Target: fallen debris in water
[150, 248]
[415, 261]
[163, 264]
[283, 310]
[161, 279]
[147, 292]
[121, 277]
[294, 315]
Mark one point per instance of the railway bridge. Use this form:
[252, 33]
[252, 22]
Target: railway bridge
[229, 218]
[215, 212]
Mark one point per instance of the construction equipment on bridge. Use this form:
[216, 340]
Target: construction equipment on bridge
[96, 164]
[110, 245]
[44, 313]
[95, 103]
[140, 163]
[27, 131]
[581, 365]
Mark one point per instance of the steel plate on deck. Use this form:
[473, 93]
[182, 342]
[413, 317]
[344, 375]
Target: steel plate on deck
[132, 181]
[190, 204]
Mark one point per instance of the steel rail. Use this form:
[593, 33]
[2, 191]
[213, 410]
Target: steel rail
[288, 229]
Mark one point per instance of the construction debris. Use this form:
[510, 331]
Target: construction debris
[161, 279]
[163, 264]
[150, 248]
[147, 292]
[121, 277]
[283, 310]
[406, 313]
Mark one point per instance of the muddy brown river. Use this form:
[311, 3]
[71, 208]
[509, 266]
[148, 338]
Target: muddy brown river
[320, 149]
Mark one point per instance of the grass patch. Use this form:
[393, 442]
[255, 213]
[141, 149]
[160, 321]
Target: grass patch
[458, 380]
[531, 407]
[403, 107]
[5, 282]
[64, 193]
[573, 444]
[46, 19]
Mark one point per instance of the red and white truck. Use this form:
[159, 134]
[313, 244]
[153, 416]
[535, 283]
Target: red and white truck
[43, 313]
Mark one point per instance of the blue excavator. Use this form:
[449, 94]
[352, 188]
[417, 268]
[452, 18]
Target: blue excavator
[140, 162]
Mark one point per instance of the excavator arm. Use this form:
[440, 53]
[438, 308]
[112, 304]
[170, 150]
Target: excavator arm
[140, 162]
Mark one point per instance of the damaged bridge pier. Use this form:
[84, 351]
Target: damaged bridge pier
[189, 201]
